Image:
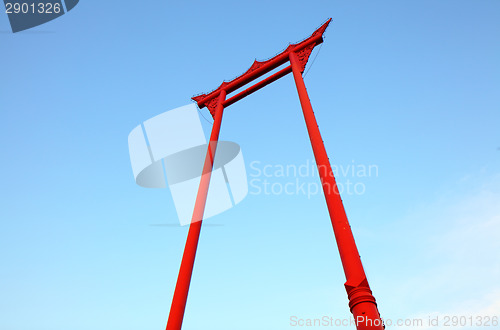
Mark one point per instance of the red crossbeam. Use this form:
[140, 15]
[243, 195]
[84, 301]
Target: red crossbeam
[303, 49]
[258, 86]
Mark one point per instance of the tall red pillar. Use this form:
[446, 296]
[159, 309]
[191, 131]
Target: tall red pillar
[186, 270]
[361, 301]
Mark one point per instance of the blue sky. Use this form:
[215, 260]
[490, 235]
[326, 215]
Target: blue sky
[411, 87]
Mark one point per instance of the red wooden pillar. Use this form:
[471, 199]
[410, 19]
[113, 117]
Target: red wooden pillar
[186, 270]
[361, 301]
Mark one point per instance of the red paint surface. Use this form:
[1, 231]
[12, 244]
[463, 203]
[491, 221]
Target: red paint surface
[361, 301]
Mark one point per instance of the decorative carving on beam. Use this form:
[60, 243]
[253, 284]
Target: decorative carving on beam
[303, 56]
